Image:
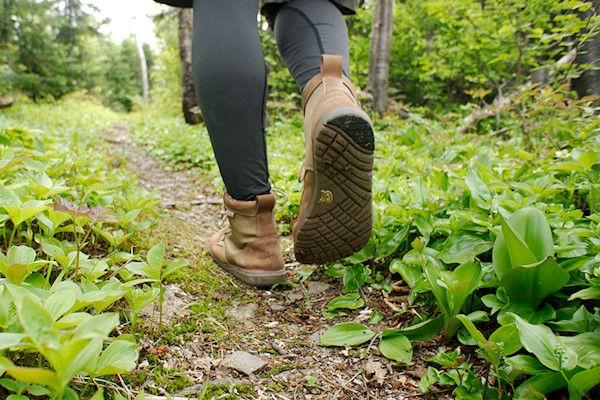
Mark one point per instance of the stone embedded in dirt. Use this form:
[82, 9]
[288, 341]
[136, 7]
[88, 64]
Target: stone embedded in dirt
[315, 338]
[244, 312]
[191, 390]
[243, 362]
[277, 307]
[294, 296]
[226, 380]
[175, 306]
[317, 287]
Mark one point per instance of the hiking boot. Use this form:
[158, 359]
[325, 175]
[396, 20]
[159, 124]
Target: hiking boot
[250, 247]
[335, 217]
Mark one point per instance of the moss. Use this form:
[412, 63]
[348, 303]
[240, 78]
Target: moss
[170, 379]
[228, 392]
[277, 369]
[274, 387]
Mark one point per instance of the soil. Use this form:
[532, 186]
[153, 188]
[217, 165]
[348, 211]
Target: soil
[280, 326]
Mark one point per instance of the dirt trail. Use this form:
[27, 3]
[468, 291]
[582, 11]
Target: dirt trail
[276, 331]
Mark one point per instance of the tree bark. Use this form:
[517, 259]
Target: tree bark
[379, 53]
[6, 101]
[191, 111]
[143, 67]
[589, 53]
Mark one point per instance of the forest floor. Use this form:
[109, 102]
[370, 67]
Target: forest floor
[222, 339]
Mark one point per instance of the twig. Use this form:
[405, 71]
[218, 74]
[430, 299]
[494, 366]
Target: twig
[344, 387]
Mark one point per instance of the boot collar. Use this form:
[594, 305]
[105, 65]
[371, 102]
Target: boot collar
[262, 203]
[331, 67]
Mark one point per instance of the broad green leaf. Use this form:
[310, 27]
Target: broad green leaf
[581, 321]
[79, 355]
[23, 212]
[544, 383]
[37, 390]
[18, 263]
[479, 191]
[525, 310]
[351, 301]
[525, 239]
[539, 340]
[533, 283]
[99, 395]
[441, 294]
[142, 268]
[21, 255]
[346, 334]
[40, 376]
[72, 320]
[58, 303]
[587, 347]
[390, 243]
[355, 276]
[590, 293]
[582, 382]
[12, 385]
[6, 311]
[99, 326]
[174, 266]
[508, 335]
[519, 365]
[36, 321]
[118, 358]
[156, 256]
[464, 280]
[462, 248]
[102, 298]
[395, 346]
[473, 331]
[410, 272]
[424, 330]
[8, 197]
[55, 252]
[9, 339]
[510, 242]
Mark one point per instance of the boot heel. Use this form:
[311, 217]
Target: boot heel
[339, 216]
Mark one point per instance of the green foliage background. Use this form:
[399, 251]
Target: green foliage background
[494, 227]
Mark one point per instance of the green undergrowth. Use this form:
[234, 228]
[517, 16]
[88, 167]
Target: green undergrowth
[81, 256]
[494, 230]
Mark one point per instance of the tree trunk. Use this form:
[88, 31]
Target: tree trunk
[143, 67]
[589, 82]
[379, 53]
[191, 111]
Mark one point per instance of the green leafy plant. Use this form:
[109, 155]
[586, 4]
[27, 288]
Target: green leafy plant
[524, 263]
[392, 343]
[451, 289]
[155, 270]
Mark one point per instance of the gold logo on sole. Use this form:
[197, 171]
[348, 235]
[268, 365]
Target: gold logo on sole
[326, 197]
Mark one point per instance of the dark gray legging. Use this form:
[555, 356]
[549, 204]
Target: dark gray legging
[231, 81]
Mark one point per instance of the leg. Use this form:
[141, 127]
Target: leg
[335, 214]
[230, 80]
[304, 30]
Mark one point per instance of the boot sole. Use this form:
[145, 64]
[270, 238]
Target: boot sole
[338, 219]
[258, 278]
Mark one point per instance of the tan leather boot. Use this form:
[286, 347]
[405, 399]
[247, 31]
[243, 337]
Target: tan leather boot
[250, 247]
[335, 217]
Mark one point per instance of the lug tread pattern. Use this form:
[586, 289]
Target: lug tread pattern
[343, 165]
